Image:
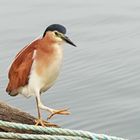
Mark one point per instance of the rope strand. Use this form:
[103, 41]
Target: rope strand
[48, 133]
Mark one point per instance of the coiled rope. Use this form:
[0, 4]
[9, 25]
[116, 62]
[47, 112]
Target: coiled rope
[49, 133]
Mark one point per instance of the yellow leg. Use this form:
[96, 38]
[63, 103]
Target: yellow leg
[38, 110]
[52, 111]
[40, 121]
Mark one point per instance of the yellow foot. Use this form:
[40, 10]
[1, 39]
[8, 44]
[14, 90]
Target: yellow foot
[44, 123]
[60, 112]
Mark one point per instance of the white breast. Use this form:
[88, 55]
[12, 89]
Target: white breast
[52, 71]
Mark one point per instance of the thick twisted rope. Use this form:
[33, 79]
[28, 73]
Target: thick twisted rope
[38, 137]
[52, 133]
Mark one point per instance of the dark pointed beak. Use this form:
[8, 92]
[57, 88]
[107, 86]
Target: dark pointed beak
[66, 39]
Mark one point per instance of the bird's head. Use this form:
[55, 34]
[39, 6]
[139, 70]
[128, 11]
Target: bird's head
[56, 33]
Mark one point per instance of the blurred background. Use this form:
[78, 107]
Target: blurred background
[100, 79]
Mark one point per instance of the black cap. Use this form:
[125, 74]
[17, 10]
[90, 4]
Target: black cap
[55, 27]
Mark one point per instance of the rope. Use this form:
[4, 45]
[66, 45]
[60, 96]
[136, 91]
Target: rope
[37, 137]
[48, 133]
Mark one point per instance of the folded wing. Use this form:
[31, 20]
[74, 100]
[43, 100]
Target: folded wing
[20, 69]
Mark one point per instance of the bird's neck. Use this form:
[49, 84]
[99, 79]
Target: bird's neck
[50, 47]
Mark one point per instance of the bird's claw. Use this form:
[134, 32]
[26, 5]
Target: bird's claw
[40, 122]
[60, 112]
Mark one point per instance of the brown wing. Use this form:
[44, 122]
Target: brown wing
[20, 69]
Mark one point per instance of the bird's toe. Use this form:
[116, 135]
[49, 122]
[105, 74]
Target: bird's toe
[60, 112]
[40, 122]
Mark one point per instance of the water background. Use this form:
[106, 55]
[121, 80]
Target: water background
[100, 79]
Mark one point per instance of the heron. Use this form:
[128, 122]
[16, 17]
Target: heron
[36, 68]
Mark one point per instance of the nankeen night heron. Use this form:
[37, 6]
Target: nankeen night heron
[36, 67]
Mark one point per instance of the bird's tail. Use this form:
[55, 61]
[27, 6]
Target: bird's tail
[10, 91]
